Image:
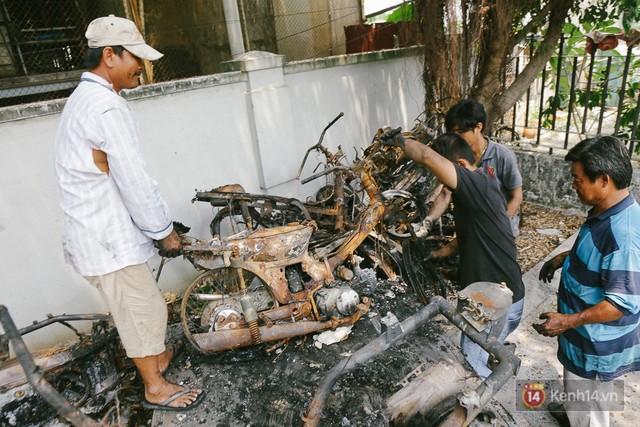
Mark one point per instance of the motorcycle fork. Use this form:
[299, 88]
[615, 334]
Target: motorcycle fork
[248, 310]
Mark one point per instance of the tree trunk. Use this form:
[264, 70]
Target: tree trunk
[497, 105]
[467, 45]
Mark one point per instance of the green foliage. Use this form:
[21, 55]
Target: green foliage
[602, 17]
[630, 14]
[403, 13]
[628, 115]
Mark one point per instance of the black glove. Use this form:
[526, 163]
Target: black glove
[166, 253]
[392, 138]
[180, 228]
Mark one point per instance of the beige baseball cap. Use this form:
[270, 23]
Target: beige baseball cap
[114, 31]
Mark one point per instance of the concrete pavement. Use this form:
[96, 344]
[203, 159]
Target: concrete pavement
[539, 361]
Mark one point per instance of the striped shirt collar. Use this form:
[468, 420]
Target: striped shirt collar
[613, 210]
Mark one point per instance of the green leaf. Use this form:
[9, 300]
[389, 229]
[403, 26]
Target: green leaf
[402, 14]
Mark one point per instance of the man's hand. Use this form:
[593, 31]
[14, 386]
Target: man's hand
[170, 246]
[425, 227]
[446, 251]
[392, 138]
[556, 323]
[550, 267]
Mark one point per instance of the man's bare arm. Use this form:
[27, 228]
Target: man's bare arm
[514, 202]
[440, 204]
[442, 168]
[557, 323]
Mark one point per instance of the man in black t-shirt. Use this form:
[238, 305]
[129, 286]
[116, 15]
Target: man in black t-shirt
[485, 242]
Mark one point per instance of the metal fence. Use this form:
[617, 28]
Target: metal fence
[42, 42]
[587, 89]
[39, 38]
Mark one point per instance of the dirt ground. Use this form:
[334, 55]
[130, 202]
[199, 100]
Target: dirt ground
[260, 388]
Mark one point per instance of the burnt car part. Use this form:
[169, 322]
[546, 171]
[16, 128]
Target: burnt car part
[469, 405]
[73, 380]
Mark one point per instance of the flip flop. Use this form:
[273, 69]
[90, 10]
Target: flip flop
[177, 347]
[164, 405]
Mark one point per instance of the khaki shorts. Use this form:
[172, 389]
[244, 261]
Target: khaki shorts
[137, 307]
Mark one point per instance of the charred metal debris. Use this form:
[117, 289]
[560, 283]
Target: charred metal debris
[276, 268]
[78, 380]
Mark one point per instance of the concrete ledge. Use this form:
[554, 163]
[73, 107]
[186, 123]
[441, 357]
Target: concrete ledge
[253, 60]
[45, 108]
[350, 59]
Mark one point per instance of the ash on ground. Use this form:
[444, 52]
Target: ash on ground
[259, 388]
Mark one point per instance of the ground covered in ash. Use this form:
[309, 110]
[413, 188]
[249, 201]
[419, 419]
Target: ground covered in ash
[260, 388]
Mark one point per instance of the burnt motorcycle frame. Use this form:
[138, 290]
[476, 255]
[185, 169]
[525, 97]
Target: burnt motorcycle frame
[262, 286]
[39, 368]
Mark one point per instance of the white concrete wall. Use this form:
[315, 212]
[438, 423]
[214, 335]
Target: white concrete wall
[197, 134]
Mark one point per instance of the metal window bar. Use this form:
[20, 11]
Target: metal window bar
[625, 74]
[605, 93]
[634, 130]
[556, 96]
[541, 106]
[526, 111]
[572, 99]
[587, 94]
[515, 106]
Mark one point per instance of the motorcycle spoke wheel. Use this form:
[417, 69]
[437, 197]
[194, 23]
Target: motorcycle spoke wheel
[212, 302]
[422, 275]
[402, 211]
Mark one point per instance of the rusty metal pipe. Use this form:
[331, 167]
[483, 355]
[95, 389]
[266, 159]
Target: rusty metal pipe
[508, 366]
[297, 310]
[508, 362]
[230, 339]
[36, 378]
[360, 357]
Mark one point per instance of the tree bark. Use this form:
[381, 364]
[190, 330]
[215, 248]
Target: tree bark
[467, 45]
[496, 106]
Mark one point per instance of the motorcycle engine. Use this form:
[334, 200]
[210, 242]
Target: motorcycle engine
[337, 301]
[226, 312]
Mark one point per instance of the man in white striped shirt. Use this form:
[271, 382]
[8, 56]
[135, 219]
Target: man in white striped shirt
[113, 210]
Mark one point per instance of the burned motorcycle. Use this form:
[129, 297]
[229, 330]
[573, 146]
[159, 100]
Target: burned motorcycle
[265, 285]
[75, 380]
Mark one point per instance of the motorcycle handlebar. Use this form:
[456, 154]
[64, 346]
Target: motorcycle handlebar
[318, 144]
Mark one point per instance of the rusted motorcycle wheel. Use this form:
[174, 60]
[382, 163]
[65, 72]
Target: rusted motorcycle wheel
[211, 303]
[402, 211]
[421, 273]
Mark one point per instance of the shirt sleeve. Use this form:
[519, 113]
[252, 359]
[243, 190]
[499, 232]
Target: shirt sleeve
[127, 169]
[620, 276]
[511, 177]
